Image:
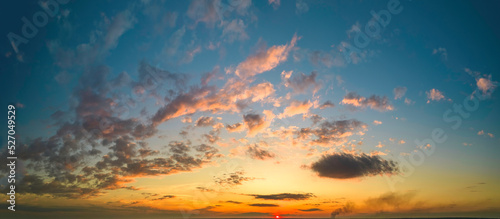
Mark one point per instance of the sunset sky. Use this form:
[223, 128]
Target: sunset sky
[185, 109]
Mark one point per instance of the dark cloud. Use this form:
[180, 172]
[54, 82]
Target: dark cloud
[345, 166]
[374, 102]
[235, 127]
[253, 121]
[263, 205]
[331, 132]
[205, 121]
[205, 189]
[34, 184]
[232, 179]
[285, 196]
[326, 104]
[234, 202]
[153, 79]
[164, 197]
[345, 209]
[255, 152]
[302, 83]
[316, 119]
[310, 209]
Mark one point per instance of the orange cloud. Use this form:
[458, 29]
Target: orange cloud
[265, 60]
[295, 108]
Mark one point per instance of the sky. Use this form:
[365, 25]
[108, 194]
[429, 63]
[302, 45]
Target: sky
[239, 108]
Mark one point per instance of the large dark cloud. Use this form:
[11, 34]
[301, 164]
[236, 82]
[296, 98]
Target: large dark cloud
[345, 166]
[285, 196]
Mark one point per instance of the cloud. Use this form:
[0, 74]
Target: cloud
[391, 200]
[486, 134]
[264, 60]
[103, 39]
[204, 189]
[205, 121]
[205, 11]
[380, 145]
[330, 132]
[237, 127]
[434, 95]
[285, 196]
[164, 197]
[399, 92]
[263, 205]
[207, 77]
[310, 209]
[256, 152]
[187, 119]
[232, 179]
[234, 96]
[408, 101]
[275, 3]
[376, 122]
[327, 104]
[374, 102]
[234, 30]
[189, 54]
[326, 58]
[296, 108]
[301, 7]
[174, 42]
[484, 82]
[315, 119]
[442, 52]
[345, 166]
[301, 83]
[486, 85]
[345, 209]
[256, 123]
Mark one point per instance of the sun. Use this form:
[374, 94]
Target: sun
[277, 216]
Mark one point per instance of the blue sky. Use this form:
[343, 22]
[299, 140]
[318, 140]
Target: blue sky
[265, 84]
